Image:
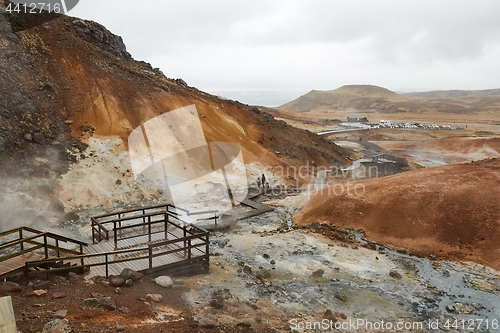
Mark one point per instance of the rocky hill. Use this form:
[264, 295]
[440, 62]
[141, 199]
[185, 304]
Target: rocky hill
[70, 96]
[376, 99]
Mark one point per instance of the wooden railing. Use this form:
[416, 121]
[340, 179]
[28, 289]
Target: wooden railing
[116, 225]
[47, 241]
[187, 245]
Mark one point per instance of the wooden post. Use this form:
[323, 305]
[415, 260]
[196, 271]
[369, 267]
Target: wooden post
[107, 268]
[165, 217]
[189, 248]
[150, 257]
[57, 246]
[93, 232]
[114, 233]
[149, 229]
[45, 245]
[207, 246]
[21, 237]
[7, 318]
[81, 252]
[185, 233]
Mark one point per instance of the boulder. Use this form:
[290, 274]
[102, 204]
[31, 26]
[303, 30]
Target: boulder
[101, 303]
[10, 287]
[57, 326]
[61, 314]
[116, 281]
[129, 274]
[42, 285]
[164, 281]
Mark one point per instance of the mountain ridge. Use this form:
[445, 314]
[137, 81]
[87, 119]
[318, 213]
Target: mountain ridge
[378, 99]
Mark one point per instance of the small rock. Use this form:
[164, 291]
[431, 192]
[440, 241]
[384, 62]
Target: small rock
[116, 281]
[56, 206]
[37, 293]
[96, 295]
[395, 275]
[61, 314]
[244, 324]
[216, 304]
[318, 273]
[247, 269]
[459, 308]
[329, 315]
[120, 328]
[272, 262]
[124, 310]
[58, 295]
[42, 285]
[107, 303]
[266, 256]
[103, 303]
[128, 283]
[39, 138]
[118, 290]
[164, 281]
[315, 225]
[57, 326]
[28, 137]
[154, 297]
[129, 274]
[29, 315]
[10, 287]
[341, 296]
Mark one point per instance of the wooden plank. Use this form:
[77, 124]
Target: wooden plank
[7, 318]
[18, 262]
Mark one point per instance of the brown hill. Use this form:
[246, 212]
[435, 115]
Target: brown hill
[65, 71]
[350, 97]
[450, 211]
[368, 98]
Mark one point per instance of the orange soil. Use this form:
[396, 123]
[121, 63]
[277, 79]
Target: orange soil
[113, 96]
[451, 212]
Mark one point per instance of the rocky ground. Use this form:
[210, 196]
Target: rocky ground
[266, 278]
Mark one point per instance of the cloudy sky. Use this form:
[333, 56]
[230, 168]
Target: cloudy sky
[299, 45]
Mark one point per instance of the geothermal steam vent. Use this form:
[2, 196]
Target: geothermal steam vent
[169, 153]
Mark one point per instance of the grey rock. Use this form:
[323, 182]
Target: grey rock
[57, 326]
[164, 281]
[120, 328]
[116, 281]
[39, 138]
[28, 137]
[42, 285]
[247, 269]
[129, 274]
[56, 206]
[460, 308]
[61, 314]
[30, 315]
[124, 310]
[100, 303]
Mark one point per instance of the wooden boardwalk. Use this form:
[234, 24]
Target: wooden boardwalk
[17, 263]
[148, 240]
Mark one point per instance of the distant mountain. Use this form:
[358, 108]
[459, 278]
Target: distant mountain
[378, 99]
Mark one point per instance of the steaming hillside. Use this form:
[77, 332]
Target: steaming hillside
[70, 96]
[376, 99]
